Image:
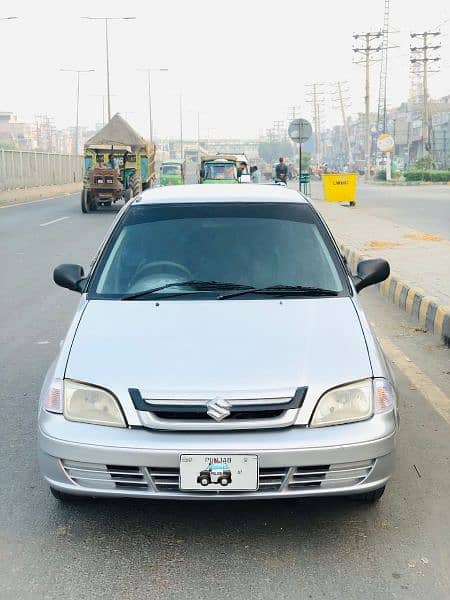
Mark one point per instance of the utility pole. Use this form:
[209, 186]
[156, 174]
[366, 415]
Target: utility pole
[368, 51]
[103, 97]
[420, 55]
[75, 137]
[293, 112]
[343, 104]
[278, 127]
[316, 98]
[106, 20]
[150, 128]
[181, 126]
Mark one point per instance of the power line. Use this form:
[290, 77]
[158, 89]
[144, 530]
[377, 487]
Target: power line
[343, 104]
[368, 50]
[420, 56]
[316, 95]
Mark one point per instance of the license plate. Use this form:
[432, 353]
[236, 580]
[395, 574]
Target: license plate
[219, 472]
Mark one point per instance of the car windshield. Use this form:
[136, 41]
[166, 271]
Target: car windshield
[220, 171]
[240, 244]
[171, 169]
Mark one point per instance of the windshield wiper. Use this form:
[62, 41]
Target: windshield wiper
[198, 285]
[280, 289]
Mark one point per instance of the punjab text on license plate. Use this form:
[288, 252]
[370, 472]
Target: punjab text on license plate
[219, 472]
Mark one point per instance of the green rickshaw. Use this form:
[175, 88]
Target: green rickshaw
[171, 172]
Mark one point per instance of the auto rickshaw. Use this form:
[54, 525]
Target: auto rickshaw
[171, 172]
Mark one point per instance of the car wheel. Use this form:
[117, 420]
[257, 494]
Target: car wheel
[224, 481]
[84, 201]
[369, 497]
[67, 498]
[204, 481]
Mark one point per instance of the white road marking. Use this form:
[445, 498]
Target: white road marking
[54, 221]
[431, 392]
[15, 204]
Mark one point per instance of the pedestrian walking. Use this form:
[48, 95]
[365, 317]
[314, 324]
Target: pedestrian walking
[254, 174]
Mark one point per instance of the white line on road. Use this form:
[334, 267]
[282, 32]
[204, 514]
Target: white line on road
[16, 204]
[54, 221]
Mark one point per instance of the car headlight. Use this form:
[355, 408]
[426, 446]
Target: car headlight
[354, 402]
[88, 404]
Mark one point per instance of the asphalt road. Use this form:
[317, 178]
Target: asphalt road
[420, 207]
[333, 549]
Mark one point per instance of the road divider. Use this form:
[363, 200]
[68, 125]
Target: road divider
[427, 310]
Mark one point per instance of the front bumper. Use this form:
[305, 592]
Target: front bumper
[92, 460]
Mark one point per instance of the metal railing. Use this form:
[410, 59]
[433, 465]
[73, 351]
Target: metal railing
[23, 169]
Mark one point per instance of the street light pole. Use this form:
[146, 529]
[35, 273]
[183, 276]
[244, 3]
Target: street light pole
[103, 97]
[77, 71]
[107, 19]
[181, 126]
[107, 70]
[149, 71]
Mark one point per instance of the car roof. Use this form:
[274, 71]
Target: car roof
[245, 192]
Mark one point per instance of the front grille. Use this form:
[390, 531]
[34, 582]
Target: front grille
[105, 476]
[330, 476]
[202, 416]
[165, 480]
[271, 480]
[239, 413]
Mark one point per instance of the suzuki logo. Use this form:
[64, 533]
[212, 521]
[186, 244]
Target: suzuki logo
[218, 409]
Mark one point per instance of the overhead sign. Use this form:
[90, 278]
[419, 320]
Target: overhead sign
[385, 142]
[300, 130]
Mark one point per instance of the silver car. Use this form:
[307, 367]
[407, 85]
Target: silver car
[218, 331]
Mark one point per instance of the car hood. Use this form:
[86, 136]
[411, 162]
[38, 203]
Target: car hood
[252, 348]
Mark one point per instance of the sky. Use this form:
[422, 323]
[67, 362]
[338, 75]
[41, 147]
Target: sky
[240, 65]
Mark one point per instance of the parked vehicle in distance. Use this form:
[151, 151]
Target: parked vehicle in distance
[118, 164]
[224, 168]
[171, 172]
[242, 342]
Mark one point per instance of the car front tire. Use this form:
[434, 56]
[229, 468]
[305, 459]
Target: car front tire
[84, 201]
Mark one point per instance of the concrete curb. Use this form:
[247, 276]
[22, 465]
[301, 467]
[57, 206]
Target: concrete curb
[25, 195]
[404, 183]
[427, 310]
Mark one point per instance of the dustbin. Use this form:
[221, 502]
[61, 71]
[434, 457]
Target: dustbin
[340, 187]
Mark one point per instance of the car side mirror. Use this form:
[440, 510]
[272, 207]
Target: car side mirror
[371, 271]
[70, 277]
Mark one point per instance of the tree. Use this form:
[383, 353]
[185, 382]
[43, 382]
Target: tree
[426, 162]
[271, 151]
[306, 160]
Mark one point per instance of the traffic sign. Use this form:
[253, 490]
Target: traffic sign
[385, 142]
[304, 178]
[300, 130]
